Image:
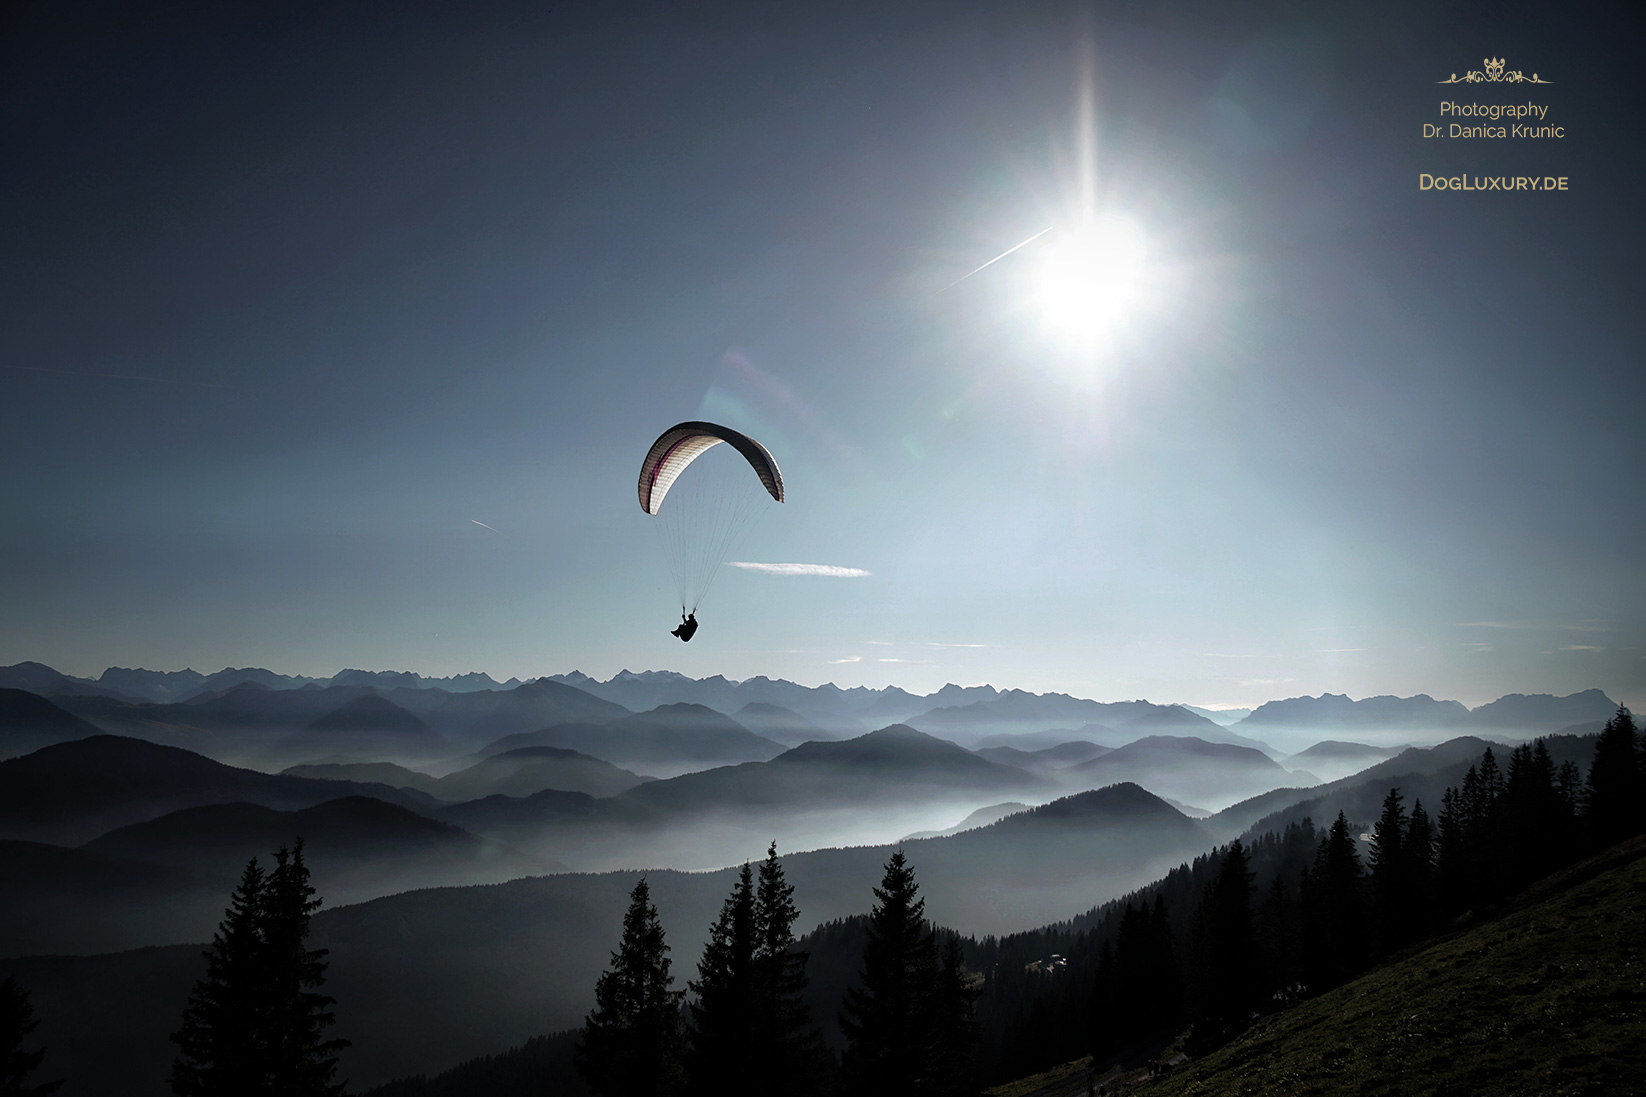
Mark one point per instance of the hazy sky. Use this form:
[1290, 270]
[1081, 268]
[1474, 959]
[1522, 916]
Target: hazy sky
[294, 301]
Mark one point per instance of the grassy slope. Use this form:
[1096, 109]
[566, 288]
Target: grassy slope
[1550, 998]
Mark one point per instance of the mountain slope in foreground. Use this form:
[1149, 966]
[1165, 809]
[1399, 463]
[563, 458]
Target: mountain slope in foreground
[1550, 998]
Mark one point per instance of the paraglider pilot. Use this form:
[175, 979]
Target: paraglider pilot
[688, 626]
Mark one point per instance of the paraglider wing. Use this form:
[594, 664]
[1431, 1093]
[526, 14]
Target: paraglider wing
[684, 443]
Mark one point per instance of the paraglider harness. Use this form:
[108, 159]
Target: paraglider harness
[688, 626]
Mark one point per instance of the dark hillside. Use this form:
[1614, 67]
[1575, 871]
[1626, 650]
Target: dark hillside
[29, 722]
[1549, 998]
[71, 792]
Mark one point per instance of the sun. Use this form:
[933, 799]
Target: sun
[1089, 277]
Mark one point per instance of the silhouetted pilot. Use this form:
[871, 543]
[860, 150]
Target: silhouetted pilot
[688, 626]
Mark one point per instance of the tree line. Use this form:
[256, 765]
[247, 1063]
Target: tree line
[909, 1021]
[1250, 927]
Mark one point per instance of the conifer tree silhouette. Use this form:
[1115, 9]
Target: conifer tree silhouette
[956, 1032]
[1225, 948]
[301, 1061]
[254, 1022]
[1333, 938]
[789, 1051]
[17, 1020]
[724, 1018]
[1390, 879]
[1613, 794]
[886, 1019]
[632, 1040]
[220, 1044]
[1418, 853]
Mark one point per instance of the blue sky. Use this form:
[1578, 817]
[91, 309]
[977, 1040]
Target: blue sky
[294, 301]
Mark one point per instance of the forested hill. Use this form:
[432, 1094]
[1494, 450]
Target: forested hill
[1548, 998]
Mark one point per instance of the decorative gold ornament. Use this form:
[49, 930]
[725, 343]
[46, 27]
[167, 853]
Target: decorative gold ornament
[1493, 74]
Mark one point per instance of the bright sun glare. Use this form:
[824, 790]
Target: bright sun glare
[1089, 277]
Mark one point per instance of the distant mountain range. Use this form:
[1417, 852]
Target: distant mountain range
[474, 708]
[1515, 712]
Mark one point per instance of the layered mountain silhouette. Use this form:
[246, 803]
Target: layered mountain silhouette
[670, 736]
[166, 879]
[373, 726]
[251, 720]
[72, 792]
[1516, 712]
[519, 772]
[29, 721]
[135, 684]
[1045, 759]
[1016, 711]
[352, 844]
[426, 979]
[779, 724]
[982, 817]
[894, 761]
[1185, 767]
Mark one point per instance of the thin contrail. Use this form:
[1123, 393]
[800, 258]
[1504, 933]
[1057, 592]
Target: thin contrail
[478, 522]
[996, 259]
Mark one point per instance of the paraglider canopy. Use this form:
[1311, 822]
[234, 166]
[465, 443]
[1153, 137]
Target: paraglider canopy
[684, 443]
[712, 506]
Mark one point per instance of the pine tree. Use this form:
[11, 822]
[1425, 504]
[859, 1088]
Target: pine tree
[788, 1047]
[726, 1014]
[886, 1020]
[956, 1033]
[254, 1023]
[1390, 879]
[1332, 915]
[1537, 831]
[1612, 795]
[1277, 931]
[1419, 856]
[1224, 948]
[17, 1021]
[632, 1040]
[221, 1043]
[1106, 1010]
[301, 1062]
[1451, 855]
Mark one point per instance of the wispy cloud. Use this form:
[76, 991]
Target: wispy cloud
[834, 571]
[934, 644]
[478, 522]
[1590, 625]
[1338, 651]
[894, 660]
[1476, 647]
[1580, 647]
[879, 643]
[848, 659]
